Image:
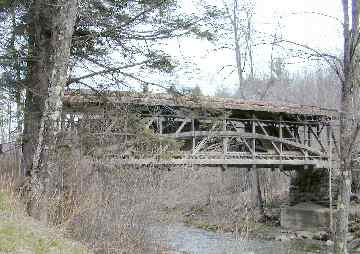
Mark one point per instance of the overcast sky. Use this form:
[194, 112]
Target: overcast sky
[299, 22]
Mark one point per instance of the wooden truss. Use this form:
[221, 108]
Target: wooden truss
[252, 141]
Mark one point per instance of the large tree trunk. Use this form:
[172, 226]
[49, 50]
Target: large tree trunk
[343, 203]
[51, 28]
[347, 131]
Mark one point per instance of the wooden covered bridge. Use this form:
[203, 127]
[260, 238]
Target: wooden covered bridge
[210, 130]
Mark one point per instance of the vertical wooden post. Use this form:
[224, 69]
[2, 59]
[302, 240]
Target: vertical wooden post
[330, 181]
[193, 135]
[318, 132]
[309, 134]
[226, 139]
[306, 130]
[280, 136]
[254, 133]
[160, 124]
[72, 122]
[304, 135]
[62, 121]
[126, 128]
[328, 136]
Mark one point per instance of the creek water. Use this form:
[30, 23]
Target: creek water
[190, 240]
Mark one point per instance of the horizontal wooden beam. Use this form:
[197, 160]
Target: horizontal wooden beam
[237, 162]
[222, 134]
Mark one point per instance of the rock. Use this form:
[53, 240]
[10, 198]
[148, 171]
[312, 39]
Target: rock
[306, 215]
[292, 237]
[349, 237]
[304, 235]
[355, 245]
[321, 235]
[172, 252]
[282, 238]
[273, 213]
[268, 237]
[355, 198]
[329, 243]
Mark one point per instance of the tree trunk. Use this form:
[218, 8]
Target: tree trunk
[249, 44]
[51, 29]
[343, 203]
[347, 130]
[17, 69]
[260, 199]
[239, 66]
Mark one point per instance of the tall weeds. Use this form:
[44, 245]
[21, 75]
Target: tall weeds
[111, 207]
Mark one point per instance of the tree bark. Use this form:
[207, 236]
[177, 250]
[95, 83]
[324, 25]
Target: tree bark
[239, 66]
[51, 29]
[343, 203]
[347, 129]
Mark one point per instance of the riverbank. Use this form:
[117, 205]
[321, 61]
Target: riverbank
[217, 201]
[21, 234]
[187, 239]
[249, 229]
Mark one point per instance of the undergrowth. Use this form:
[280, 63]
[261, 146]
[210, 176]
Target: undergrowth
[20, 233]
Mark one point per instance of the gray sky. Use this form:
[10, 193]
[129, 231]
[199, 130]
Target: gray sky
[299, 22]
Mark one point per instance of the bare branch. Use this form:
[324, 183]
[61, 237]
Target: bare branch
[106, 71]
[319, 14]
[335, 61]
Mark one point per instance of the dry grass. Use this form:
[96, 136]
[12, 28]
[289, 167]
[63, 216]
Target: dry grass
[110, 207]
[107, 207]
[18, 232]
[224, 200]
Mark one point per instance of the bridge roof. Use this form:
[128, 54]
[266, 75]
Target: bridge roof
[87, 97]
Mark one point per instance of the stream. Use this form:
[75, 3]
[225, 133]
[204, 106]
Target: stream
[190, 240]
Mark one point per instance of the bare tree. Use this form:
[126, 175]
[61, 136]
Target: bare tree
[349, 126]
[240, 16]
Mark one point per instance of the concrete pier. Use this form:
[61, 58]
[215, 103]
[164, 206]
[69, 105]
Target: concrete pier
[305, 216]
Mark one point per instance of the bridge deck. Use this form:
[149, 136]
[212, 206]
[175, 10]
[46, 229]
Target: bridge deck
[286, 164]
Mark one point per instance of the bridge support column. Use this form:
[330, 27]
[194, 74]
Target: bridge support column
[311, 185]
[309, 200]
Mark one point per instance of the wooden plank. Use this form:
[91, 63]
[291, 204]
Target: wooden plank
[185, 121]
[248, 146]
[336, 145]
[186, 135]
[290, 132]
[280, 134]
[225, 139]
[150, 121]
[267, 134]
[238, 162]
[317, 139]
[206, 138]
[253, 133]
[193, 135]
